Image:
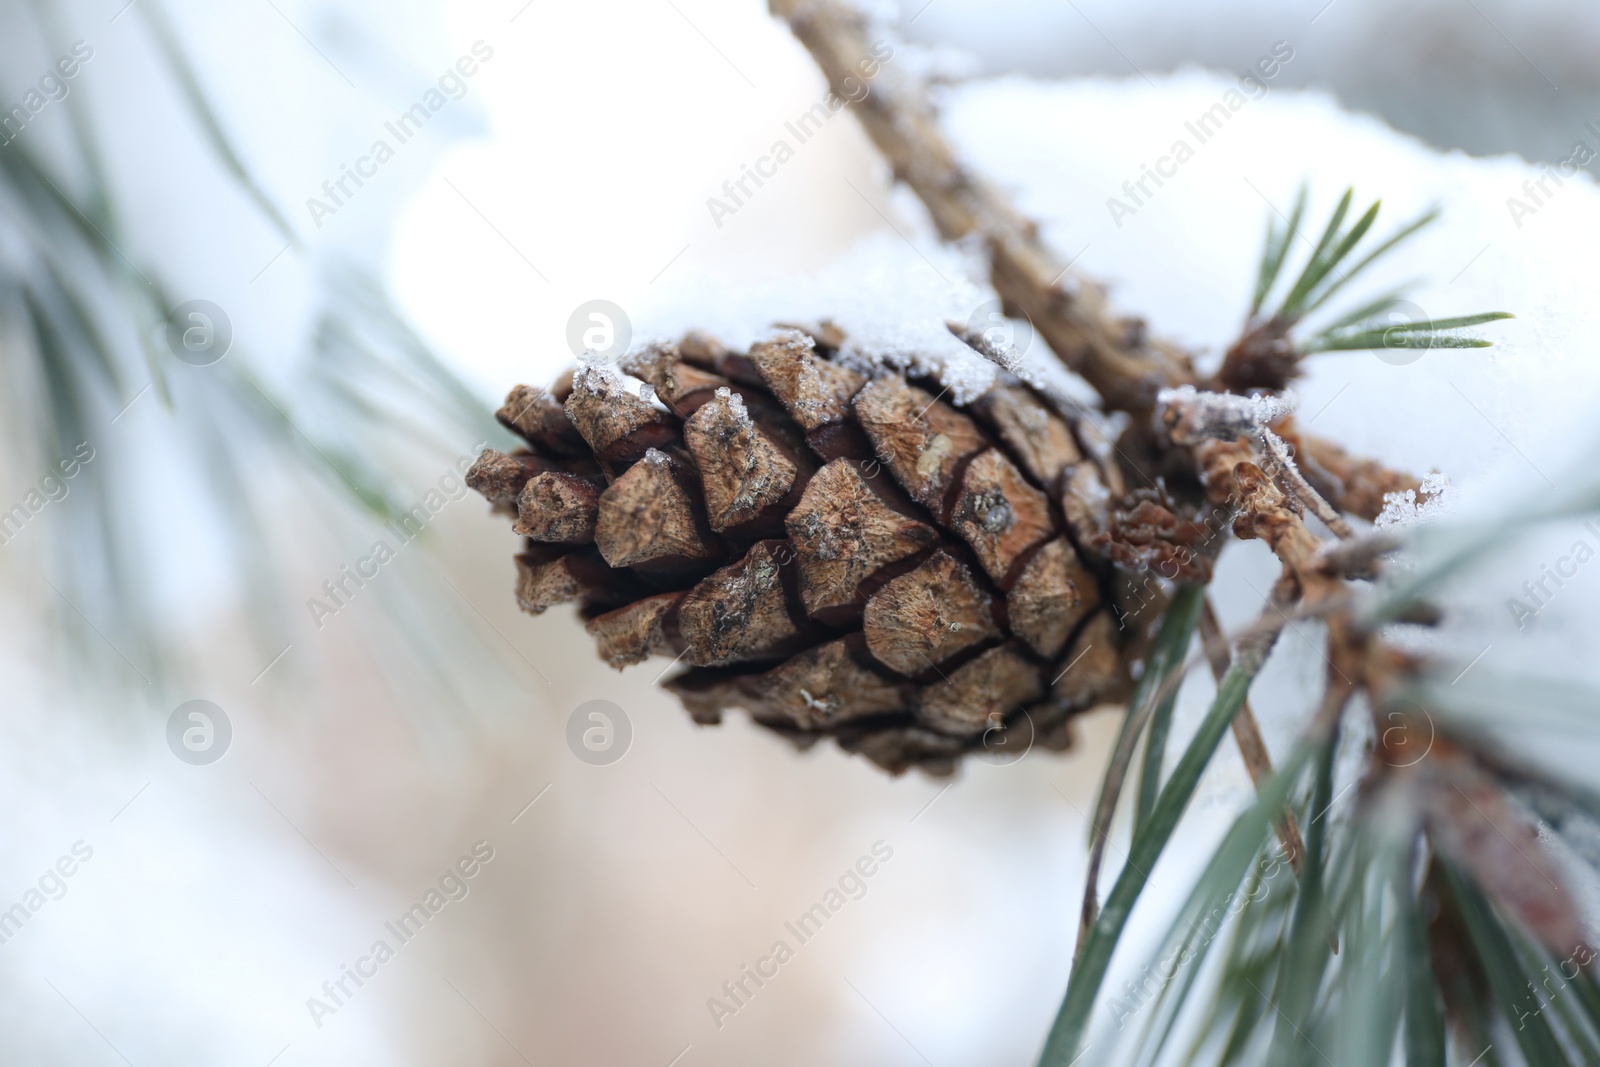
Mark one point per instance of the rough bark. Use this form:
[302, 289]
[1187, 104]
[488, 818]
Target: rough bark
[543, 581]
[499, 477]
[1040, 439]
[899, 749]
[677, 382]
[815, 392]
[1093, 671]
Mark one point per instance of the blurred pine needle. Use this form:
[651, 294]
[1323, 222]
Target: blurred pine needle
[82, 311]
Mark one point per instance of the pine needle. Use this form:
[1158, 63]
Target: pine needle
[1064, 1043]
[1266, 357]
[1276, 250]
[1322, 260]
[1511, 985]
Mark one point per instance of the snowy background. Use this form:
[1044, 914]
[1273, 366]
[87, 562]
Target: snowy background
[576, 166]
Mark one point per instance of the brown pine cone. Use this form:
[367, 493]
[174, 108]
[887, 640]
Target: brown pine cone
[837, 554]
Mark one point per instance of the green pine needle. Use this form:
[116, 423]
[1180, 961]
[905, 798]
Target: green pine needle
[1330, 253]
[1422, 334]
[85, 306]
[1166, 657]
[1404, 233]
[1276, 250]
[1065, 1041]
[1308, 949]
[1321, 262]
[1368, 311]
[1424, 1014]
[1510, 984]
[1459, 322]
[1250, 966]
[1372, 340]
[1324, 276]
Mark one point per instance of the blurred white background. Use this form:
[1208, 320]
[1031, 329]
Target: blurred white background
[576, 165]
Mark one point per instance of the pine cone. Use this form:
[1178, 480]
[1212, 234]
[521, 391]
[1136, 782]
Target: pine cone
[837, 554]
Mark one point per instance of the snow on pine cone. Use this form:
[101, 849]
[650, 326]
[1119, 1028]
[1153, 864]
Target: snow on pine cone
[837, 553]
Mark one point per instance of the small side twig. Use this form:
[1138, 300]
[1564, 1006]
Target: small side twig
[1358, 558]
[1354, 485]
[1301, 489]
[1007, 359]
[1192, 416]
[1247, 732]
